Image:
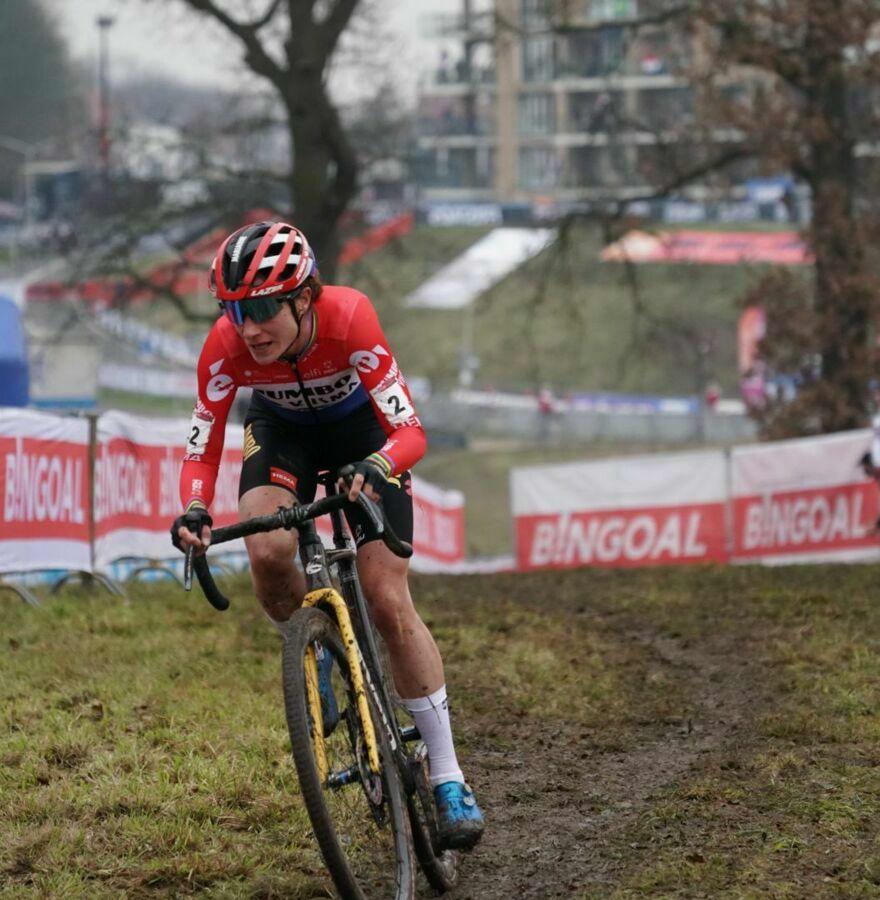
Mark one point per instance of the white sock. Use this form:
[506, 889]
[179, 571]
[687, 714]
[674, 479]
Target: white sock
[431, 715]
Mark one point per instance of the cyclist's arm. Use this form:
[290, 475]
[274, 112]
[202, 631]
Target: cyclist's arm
[207, 430]
[381, 376]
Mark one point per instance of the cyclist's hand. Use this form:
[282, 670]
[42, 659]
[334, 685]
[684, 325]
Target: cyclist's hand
[367, 476]
[192, 529]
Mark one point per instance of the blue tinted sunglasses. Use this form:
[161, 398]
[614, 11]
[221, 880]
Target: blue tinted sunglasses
[257, 309]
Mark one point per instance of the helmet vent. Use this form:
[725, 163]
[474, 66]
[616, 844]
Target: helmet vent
[287, 272]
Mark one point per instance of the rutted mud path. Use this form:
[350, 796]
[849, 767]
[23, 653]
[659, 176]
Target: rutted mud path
[557, 809]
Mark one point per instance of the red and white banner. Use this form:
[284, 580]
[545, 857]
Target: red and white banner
[438, 527]
[636, 511]
[137, 472]
[727, 248]
[44, 481]
[804, 500]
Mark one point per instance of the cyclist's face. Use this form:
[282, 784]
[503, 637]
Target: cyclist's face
[266, 341]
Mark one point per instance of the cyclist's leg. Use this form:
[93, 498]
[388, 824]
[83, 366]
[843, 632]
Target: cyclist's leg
[278, 583]
[418, 675]
[415, 660]
[276, 471]
[416, 665]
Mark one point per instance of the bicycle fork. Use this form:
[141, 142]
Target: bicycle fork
[356, 671]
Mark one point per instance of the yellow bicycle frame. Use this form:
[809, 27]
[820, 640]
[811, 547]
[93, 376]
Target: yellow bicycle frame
[352, 654]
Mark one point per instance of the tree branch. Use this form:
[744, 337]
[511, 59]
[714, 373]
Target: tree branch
[336, 22]
[257, 57]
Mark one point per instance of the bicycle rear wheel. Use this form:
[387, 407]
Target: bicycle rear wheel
[439, 865]
[359, 817]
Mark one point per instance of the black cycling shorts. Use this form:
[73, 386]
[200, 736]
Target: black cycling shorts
[283, 453]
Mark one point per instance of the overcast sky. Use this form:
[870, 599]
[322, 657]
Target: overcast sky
[160, 36]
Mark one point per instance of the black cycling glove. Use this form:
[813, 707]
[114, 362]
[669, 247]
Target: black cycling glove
[374, 474]
[194, 519]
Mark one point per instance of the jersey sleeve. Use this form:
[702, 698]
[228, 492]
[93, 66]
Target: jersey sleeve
[370, 354]
[207, 430]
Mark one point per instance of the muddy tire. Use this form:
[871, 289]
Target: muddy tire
[362, 825]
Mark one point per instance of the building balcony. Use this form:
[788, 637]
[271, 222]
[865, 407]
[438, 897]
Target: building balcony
[452, 82]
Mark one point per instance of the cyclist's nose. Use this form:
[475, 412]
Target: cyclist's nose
[249, 328]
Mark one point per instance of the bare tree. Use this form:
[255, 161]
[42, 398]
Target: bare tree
[323, 177]
[812, 115]
[788, 86]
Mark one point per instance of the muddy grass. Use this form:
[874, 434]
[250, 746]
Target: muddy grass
[693, 733]
[753, 772]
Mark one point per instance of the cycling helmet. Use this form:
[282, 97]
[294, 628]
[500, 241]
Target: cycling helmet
[267, 259]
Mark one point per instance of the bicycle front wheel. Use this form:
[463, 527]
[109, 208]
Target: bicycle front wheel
[359, 815]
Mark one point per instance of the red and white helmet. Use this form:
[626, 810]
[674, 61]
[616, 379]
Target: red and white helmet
[264, 259]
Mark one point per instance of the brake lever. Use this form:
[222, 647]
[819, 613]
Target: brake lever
[188, 568]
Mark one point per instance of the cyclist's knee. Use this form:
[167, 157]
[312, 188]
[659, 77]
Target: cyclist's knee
[392, 610]
[271, 556]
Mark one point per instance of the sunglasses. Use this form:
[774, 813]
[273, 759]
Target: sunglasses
[257, 309]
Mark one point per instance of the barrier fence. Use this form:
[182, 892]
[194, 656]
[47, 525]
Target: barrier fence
[803, 500]
[82, 493]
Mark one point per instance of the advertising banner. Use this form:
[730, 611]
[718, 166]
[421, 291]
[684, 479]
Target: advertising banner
[44, 482]
[46, 479]
[137, 471]
[728, 248]
[438, 527]
[804, 500]
[638, 511]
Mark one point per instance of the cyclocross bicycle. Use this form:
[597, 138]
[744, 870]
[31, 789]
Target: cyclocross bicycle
[363, 776]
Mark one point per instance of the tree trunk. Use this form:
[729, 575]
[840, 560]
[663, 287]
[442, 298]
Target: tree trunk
[324, 176]
[841, 279]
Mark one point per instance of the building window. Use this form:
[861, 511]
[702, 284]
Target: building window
[533, 13]
[538, 168]
[600, 10]
[537, 58]
[537, 114]
[595, 54]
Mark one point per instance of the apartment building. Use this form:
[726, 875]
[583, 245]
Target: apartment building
[538, 107]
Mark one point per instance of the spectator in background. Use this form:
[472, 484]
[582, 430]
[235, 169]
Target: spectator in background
[713, 395]
[870, 460]
[443, 68]
[754, 387]
[546, 410]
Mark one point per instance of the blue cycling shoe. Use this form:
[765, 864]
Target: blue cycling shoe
[459, 820]
[329, 707]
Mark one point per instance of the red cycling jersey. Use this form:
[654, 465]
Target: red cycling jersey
[347, 363]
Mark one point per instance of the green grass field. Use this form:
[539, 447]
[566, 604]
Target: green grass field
[705, 732]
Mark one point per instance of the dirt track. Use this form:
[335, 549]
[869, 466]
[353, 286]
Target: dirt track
[558, 809]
